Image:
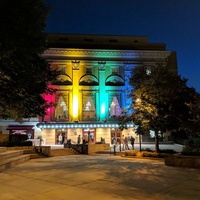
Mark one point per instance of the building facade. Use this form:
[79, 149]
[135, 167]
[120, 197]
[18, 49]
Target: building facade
[92, 87]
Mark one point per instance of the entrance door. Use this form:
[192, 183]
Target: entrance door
[60, 136]
[89, 135]
[116, 136]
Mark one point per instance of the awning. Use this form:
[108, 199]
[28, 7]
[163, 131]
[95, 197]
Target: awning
[79, 125]
[20, 127]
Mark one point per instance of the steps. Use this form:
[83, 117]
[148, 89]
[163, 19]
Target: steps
[10, 158]
[62, 152]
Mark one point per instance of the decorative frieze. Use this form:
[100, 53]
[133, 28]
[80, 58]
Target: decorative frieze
[96, 53]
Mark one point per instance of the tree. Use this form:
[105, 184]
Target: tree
[161, 101]
[24, 74]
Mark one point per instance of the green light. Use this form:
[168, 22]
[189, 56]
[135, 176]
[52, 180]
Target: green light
[103, 108]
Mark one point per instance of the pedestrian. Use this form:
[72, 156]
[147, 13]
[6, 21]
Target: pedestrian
[79, 139]
[126, 143]
[60, 138]
[132, 141]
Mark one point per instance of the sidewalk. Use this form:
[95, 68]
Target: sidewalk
[97, 177]
[175, 147]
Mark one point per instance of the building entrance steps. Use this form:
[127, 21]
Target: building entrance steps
[9, 159]
[62, 152]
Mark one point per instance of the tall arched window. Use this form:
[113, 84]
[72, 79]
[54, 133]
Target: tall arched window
[89, 111]
[114, 109]
[61, 111]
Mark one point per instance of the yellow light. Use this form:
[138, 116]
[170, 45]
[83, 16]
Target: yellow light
[75, 106]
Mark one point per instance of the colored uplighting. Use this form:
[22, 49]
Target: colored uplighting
[75, 106]
[103, 108]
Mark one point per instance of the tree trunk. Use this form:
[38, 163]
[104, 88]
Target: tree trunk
[140, 142]
[156, 142]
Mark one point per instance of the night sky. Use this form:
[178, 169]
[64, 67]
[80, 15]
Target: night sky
[173, 22]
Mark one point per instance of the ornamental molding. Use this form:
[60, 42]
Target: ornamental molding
[102, 65]
[95, 53]
[75, 64]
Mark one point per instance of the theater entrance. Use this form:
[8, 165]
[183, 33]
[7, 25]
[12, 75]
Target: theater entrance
[61, 136]
[116, 136]
[89, 135]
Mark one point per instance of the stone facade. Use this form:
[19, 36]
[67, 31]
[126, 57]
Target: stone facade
[93, 84]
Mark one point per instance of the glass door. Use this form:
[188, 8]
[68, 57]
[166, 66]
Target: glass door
[116, 136]
[89, 135]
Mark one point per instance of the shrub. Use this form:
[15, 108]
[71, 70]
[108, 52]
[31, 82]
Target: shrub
[192, 147]
[131, 153]
[149, 153]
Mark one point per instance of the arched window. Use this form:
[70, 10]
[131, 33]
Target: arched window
[61, 111]
[89, 111]
[114, 109]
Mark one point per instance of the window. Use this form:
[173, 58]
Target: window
[89, 111]
[114, 109]
[61, 110]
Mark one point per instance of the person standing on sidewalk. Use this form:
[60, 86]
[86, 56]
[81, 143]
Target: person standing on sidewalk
[132, 141]
[79, 139]
[126, 143]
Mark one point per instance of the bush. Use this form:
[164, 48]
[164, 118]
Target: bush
[131, 153]
[192, 147]
[149, 153]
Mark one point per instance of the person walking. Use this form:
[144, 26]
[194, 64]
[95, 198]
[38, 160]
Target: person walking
[126, 143]
[60, 138]
[132, 141]
[79, 139]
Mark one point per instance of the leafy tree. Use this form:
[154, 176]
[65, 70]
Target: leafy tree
[161, 101]
[24, 74]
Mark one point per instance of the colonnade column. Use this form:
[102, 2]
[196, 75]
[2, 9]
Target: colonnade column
[103, 96]
[75, 90]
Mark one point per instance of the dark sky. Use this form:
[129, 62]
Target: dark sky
[173, 22]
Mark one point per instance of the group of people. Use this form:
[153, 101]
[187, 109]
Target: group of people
[125, 142]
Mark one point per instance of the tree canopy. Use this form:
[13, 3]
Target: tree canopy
[161, 101]
[24, 74]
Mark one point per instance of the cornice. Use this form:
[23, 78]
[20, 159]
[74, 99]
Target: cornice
[95, 53]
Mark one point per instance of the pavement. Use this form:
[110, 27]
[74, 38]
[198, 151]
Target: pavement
[99, 177]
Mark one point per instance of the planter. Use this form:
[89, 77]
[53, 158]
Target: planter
[182, 161]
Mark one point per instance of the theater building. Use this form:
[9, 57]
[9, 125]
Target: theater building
[93, 85]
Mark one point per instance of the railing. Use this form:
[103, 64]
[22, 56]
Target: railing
[80, 148]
